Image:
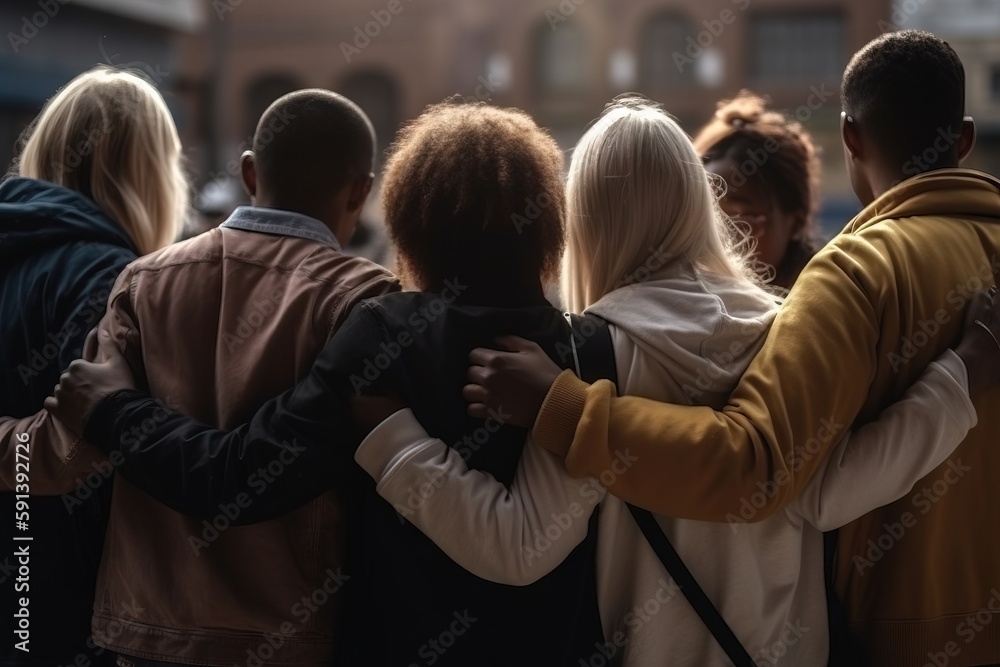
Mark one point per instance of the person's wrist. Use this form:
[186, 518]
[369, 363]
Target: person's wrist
[99, 425]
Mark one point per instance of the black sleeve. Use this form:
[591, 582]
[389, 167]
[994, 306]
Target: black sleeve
[297, 446]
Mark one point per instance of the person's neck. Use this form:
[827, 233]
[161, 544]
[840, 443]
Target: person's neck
[489, 293]
[886, 179]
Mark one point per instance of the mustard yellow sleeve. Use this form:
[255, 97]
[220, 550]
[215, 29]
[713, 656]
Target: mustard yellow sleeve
[797, 398]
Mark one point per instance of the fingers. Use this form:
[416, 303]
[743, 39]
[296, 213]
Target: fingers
[477, 411]
[475, 393]
[517, 344]
[508, 345]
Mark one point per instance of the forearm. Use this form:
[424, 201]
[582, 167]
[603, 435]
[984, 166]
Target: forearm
[194, 468]
[656, 455]
[880, 462]
[513, 536]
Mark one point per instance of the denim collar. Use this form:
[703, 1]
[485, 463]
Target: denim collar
[282, 223]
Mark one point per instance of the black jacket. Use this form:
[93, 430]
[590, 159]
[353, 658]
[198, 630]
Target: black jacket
[408, 602]
[59, 257]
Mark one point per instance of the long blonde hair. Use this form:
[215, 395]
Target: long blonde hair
[109, 135]
[639, 200]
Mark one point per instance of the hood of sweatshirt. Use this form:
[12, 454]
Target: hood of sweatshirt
[700, 330]
[962, 193]
[37, 215]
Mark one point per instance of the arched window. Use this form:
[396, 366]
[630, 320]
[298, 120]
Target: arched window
[262, 92]
[664, 61]
[378, 95]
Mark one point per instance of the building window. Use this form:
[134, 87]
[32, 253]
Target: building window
[562, 58]
[797, 47]
[995, 83]
[664, 58]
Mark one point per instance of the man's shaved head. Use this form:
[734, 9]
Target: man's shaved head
[908, 88]
[310, 144]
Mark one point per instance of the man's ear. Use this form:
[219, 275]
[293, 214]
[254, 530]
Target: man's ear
[360, 190]
[851, 135]
[967, 138]
[248, 172]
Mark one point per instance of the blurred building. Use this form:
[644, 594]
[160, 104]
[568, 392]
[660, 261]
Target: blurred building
[972, 27]
[221, 62]
[560, 60]
[48, 42]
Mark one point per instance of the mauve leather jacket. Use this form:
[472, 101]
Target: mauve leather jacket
[213, 327]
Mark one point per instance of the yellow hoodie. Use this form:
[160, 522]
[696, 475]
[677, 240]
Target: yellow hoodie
[919, 577]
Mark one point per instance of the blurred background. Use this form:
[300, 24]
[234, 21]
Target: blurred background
[220, 63]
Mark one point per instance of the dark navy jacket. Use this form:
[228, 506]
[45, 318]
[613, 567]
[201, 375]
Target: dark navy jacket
[408, 603]
[59, 257]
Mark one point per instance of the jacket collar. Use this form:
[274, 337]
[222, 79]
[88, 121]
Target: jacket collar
[942, 192]
[282, 223]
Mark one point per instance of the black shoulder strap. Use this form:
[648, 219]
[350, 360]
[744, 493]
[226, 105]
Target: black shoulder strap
[689, 586]
[592, 354]
[590, 351]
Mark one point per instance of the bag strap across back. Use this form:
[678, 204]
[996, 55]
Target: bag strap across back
[593, 356]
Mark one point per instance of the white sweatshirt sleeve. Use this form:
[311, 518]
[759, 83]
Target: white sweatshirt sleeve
[880, 462]
[510, 537]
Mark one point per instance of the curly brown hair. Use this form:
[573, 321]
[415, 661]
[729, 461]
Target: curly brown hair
[790, 175]
[475, 191]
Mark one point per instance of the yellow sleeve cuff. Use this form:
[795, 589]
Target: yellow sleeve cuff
[561, 411]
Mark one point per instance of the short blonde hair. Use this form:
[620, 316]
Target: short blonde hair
[109, 135]
[639, 200]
